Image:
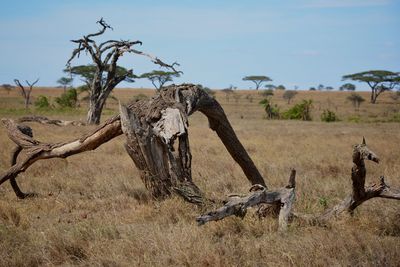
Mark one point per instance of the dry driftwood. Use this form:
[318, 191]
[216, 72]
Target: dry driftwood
[45, 120]
[152, 128]
[282, 197]
[360, 193]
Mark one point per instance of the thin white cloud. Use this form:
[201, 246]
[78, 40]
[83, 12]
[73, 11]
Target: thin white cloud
[345, 3]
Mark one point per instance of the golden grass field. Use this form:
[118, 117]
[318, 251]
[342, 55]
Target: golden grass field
[93, 210]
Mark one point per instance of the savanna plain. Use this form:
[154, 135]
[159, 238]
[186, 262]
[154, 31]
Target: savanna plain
[93, 210]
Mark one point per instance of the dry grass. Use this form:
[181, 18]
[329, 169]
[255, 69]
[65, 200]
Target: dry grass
[93, 210]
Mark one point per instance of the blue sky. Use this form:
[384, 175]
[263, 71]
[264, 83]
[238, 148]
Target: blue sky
[297, 43]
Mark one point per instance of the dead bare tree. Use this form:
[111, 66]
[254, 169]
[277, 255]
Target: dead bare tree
[26, 93]
[157, 141]
[106, 74]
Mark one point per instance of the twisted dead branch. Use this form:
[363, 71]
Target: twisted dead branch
[360, 193]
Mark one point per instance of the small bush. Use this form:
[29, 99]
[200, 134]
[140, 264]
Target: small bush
[267, 93]
[272, 111]
[356, 100]
[289, 95]
[42, 102]
[329, 116]
[395, 117]
[301, 111]
[69, 99]
[355, 119]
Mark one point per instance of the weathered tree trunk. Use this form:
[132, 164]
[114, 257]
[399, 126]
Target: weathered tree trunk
[95, 108]
[374, 96]
[27, 101]
[157, 140]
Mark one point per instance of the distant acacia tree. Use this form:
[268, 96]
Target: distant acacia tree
[158, 77]
[329, 88]
[312, 89]
[64, 82]
[320, 87]
[257, 80]
[103, 75]
[378, 80]
[347, 87]
[7, 87]
[289, 95]
[270, 86]
[26, 92]
[356, 100]
[280, 87]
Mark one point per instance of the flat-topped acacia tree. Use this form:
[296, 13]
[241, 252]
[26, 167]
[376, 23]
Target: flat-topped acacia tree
[378, 80]
[105, 74]
[257, 79]
[159, 78]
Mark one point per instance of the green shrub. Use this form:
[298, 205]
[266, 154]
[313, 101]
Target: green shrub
[395, 117]
[69, 99]
[272, 111]
[355, 119]
[301, 111]
[329, 116]
[42, 102]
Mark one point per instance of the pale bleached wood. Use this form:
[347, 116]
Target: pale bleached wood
[284, 197]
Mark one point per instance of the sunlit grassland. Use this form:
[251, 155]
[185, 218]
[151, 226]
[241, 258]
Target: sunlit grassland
[93, 210]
